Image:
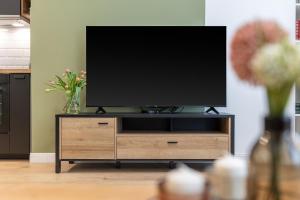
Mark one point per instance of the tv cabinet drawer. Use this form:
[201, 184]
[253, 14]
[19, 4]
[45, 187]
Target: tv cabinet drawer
[87, 138]
[171, 146]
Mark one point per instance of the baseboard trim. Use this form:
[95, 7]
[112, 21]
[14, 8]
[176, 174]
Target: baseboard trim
[42, 157]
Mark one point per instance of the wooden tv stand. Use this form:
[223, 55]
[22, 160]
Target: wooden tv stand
[186, 137]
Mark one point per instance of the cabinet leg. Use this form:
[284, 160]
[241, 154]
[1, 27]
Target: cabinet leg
[172, 165]
[118, 164]
[58, 167]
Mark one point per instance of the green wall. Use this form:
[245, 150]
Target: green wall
[58, 42]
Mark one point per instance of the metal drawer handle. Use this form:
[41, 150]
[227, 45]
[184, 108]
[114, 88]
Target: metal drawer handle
[172, 142]
[103, 123]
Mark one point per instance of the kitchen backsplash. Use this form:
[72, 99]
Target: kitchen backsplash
[14, 47]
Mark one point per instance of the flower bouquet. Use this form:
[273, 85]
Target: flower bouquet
[263, 55]
[71, 84]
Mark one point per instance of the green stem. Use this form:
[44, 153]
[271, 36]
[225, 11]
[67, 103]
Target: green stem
[278, 99]
[72, 99]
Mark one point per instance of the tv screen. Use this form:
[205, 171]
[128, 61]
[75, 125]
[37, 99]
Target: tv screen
[156, 66]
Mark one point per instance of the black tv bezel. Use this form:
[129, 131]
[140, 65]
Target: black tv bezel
[182, 105]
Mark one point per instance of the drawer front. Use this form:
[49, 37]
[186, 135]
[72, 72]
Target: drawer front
[171, 147]
[87, 138]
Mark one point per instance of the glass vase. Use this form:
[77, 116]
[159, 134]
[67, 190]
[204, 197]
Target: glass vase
[73, 102]
[274, 166]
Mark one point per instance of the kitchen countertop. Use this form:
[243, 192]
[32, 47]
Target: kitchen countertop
[15, 70]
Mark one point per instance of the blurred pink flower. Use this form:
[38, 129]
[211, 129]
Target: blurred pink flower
[247, 40]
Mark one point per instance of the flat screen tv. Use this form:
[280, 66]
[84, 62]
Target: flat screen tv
[156, 66]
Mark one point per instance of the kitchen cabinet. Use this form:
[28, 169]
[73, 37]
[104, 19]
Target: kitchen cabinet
[4, 113]
[14, 115]
[25, 9]
[15, 8]
[10, 7]
[19, 114]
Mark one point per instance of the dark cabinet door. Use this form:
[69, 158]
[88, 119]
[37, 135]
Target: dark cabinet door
[4, 144]
[4, 104]
[10, 7]
[4, 114]
[20, 113]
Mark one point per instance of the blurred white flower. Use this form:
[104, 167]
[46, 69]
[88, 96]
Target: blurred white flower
[278, 64]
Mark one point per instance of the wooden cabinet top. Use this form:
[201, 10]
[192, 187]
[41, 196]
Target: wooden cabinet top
[146, 115]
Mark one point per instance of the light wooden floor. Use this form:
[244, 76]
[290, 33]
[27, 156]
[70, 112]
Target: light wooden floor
[22, 180]
[25, 172]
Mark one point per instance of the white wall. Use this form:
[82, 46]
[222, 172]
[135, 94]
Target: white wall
[14, 47]
[245, 101]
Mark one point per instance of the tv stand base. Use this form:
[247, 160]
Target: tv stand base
[167, 138]
[212, 109]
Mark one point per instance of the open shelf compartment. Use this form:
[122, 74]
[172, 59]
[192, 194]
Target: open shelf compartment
[173, 125]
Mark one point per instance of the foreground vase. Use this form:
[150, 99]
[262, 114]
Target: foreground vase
[274, 166]
[73, 102]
